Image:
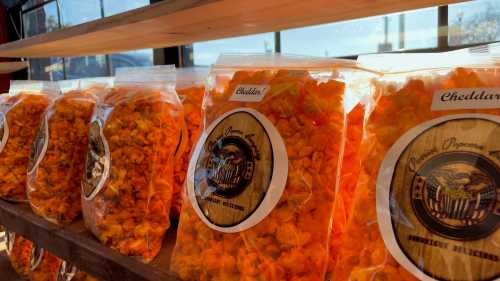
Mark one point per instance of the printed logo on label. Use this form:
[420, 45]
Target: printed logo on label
[39, 146]
[249, 93]
[36, 257]
[438, 198]
[235, 164]
[66, 272]
[97, 163]
[4, 131]
[473, 98]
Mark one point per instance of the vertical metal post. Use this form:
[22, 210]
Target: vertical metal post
[60, 26]
[401, 31]
[443, 30]
[109, 68]
[277, 42]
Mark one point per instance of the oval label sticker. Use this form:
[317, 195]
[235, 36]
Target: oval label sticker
[238, 171]
[4, 131]
[97, 163]
[438, 198]
[36, 257]
[39, 146]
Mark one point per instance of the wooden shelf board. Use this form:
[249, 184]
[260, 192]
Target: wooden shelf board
[76, 244]
[178, 22]
[12, 66]
[6, 270]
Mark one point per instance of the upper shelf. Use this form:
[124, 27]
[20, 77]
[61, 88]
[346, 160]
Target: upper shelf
[12, 66]
[178, 22]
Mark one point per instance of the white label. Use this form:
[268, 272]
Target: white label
[238, 171]
[470, 98]
[36, 257]
[98, 161]
[249, 93]
[39, 146]
[66, 272]
[11, 239]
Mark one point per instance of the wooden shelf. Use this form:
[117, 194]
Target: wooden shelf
[12, 66]
[8, 273]
[178, 22]
[76, 244]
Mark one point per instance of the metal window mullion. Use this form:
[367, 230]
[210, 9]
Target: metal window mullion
[443, 30]
[277, 42]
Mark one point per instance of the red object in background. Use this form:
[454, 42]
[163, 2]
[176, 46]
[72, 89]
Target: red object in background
[4, 37]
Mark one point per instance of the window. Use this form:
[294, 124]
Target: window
[474, 22]
[41, 20]
[41, 16]
[113, 7]
[206, 53]
[31, 3]
[133, 58]
[74, 12]
[413, 30]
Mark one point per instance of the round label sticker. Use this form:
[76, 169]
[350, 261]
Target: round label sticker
[39, 146]
[97, 163]
[438, 198]
[66, 272]
[238, 171]
[36, 257]
[4, 131]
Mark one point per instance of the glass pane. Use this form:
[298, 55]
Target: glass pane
[31, 3]
[113, 7]
[41, 20]
[134, 58]
[418, 29]
[77, 11]
[82, 67]
[46, 69]
[206, 53]
[474, 22]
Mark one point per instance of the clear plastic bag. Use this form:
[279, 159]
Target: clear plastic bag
[44, 266]
[128, 183]
[19, 252]
[424, 207]
[191, 88]
[20, 117]
[261, 180]
[54, 181]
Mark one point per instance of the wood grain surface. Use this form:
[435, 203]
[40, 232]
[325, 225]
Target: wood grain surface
[76, 245]
[178, 22]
